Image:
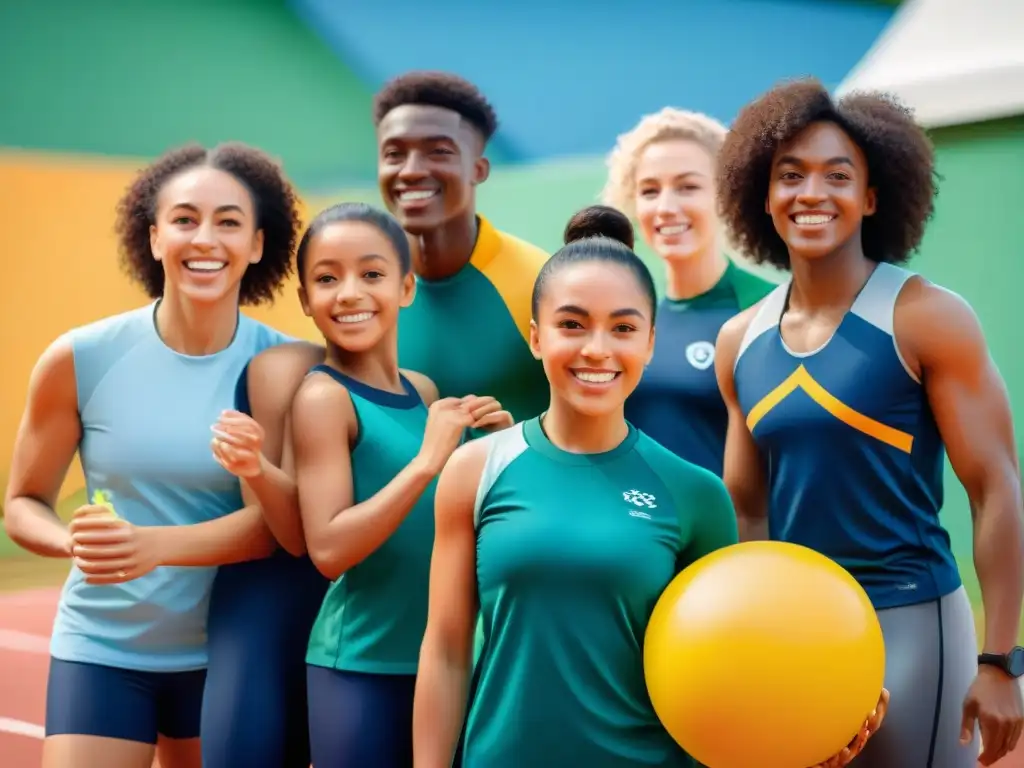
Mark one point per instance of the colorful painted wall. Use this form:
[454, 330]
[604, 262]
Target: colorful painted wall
[569, 76]
[100, 87]
[90, 89]
[130, 78]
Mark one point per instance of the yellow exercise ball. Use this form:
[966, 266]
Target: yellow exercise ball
[764, 655]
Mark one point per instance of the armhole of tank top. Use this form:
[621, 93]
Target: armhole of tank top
[766, 317]
[502, 449]
[876, 305]
[242, 403]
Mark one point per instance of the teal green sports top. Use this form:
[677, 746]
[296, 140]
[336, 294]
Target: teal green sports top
[573, 552]
[374, 615]
[469, 333]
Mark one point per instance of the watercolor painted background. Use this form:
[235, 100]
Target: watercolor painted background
[91, 91]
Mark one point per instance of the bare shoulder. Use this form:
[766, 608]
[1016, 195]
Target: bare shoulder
[923, 301]
[730, 336]
[278, 370]
[58, 357]
[324, 424]
[931, 321]
[53, 376]
[288, 358]
[470, 457]
[318, 390]
[460, 478]
[426, 388]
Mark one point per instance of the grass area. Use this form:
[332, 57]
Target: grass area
[30, 572]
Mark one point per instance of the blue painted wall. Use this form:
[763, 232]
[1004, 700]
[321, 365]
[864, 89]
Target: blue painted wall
[567, 77]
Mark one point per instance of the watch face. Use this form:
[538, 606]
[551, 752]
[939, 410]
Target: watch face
[1015, 662]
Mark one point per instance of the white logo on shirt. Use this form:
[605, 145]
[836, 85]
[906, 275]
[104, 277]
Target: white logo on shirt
[640, 499]
[700, 354]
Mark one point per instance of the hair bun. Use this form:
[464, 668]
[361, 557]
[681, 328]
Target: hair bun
[599, 221]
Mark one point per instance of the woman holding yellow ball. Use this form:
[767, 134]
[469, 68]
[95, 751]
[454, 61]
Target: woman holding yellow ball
[567, 528]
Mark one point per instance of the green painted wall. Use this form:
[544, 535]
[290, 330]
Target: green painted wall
[134, 77]
[973, 247]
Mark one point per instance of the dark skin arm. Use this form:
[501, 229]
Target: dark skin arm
[446, 655]
[743, 471]
[942, 341]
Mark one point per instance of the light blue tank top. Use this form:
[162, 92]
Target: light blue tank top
[146, 413]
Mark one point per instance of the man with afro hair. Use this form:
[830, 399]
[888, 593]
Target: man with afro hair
[468, 327]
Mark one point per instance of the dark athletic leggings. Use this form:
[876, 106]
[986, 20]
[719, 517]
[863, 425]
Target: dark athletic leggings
[930, 660]
[358, 719]
[254, 704]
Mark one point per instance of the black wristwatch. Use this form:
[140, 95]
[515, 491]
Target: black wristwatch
[1011, 663]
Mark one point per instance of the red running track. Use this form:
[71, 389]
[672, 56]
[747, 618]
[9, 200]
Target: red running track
[26, 619]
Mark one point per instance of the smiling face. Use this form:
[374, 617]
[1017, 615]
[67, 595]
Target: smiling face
[352, 285]
[429, 162]
[594, 335]
[675, 199]
[818, 194]
[205, 234]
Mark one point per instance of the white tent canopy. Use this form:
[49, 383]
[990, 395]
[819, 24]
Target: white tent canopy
[953, 61]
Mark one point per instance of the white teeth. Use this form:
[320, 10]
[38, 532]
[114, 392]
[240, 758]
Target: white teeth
[416, 194]
[595, 378]
[817, 218]
[674, 229]
[362, 317]
[205, 266]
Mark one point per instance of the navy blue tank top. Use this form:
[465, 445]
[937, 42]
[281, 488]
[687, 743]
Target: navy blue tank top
[677, 401]
[853, 454]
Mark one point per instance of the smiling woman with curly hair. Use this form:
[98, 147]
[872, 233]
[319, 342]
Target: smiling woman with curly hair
[851, 382]
[134, 395]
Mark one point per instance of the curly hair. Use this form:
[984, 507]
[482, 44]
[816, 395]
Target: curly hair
[275, 201]
[437, 89]
[670, 123]
[899, 154]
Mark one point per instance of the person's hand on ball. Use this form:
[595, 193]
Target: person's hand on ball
[870, 727]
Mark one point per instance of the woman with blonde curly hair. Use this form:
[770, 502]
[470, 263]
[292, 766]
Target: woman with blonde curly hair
[661, 174]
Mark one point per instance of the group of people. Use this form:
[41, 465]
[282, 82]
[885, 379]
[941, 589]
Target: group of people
[436, 537]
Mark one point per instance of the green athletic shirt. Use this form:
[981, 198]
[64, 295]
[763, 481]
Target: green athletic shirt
[573, 551]
[373, 617]
[469, 333]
